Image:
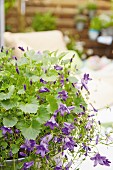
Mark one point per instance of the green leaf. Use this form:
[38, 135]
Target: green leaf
[34, 78]
[72, 79]
[14, 148]
[37, 57]
[4, 96]
[22, 61]
[36, 125]
[8, 104]
[53, 102]
[30, 53]
[51, 78]
[10, 122]
[78, 109]
[2, 55]
[29, 108]
[43, 115]
[4, 144]
[31, 131]
[22, 91]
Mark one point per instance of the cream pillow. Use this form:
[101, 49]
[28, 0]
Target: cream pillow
[13, 42]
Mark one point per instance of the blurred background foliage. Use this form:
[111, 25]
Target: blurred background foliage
[9, 4]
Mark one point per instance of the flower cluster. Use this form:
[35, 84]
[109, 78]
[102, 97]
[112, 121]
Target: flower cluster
[43, 113]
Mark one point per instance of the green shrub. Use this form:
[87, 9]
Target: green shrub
[8, 5]
[91, 6]
[96, 23]
[44, 22]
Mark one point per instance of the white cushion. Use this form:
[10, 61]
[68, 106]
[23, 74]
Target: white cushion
[40, 41]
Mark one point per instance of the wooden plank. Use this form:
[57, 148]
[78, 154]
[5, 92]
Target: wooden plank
[68, 12]
[69, 3]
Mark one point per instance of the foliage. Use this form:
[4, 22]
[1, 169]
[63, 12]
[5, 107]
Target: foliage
[72, 45]
[43, 114]
[9, 4]
[96, 23]
[91, 6]
[44, 22]
[106, 20]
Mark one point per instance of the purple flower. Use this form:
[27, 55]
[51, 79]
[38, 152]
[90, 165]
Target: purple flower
[68, 165]
[21, 48]
[38, 97]
[63, 109]
[22, 154]
[29, 145]
[58, 168]
[89, 125]
[57, 139]
[84, 81]
[52, 123]
[17, 70]
[7, 52]
[10, 153]
[95, 110]
[62, 80]
[98, 159]
[31, 82]
[57, 67]
[17, 131]
[58, 162]
[97, 138]
[25, 87]
[63, 94]
[43, 90]
[68, 127]
[82, 107]
[47, 138]
[71, 60]
[27, 165]
[42, 149]
[42, 81]
[69, 143]
[6, 130]
[14, 57]
[86, 148]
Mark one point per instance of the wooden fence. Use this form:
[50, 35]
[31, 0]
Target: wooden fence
[64, 10]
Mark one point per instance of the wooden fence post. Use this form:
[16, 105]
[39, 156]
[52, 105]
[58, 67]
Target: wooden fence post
[2, 23]
[21, 15]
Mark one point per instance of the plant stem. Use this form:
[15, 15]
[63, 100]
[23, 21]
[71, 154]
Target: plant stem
[14, 168]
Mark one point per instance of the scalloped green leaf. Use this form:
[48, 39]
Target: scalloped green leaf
[14, 148]
[30, 53]
[10, 122]
[51, 78]
[29, 108]
[43, 115]
[31, 131]
[37, 57]
[8, 104]
[22, 91]
[72, 79]
[22, 61]
[34, 78]
[53, 102]
[4, 96]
